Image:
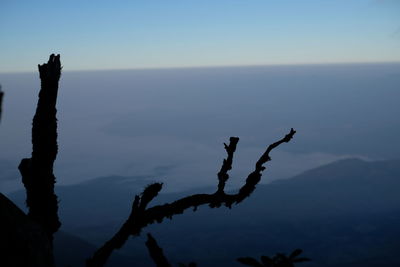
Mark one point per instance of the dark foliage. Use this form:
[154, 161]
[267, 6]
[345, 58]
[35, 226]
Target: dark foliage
[279, 260]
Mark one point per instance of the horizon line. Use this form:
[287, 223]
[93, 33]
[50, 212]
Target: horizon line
[219, 66]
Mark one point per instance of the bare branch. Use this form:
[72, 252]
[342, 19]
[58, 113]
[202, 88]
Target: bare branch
[156, 253]
[1, 101]
[37, 171]
[139, 220]
[118, 240]
[223, 175]
[255, 177]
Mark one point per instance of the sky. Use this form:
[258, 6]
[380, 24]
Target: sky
[95, 35]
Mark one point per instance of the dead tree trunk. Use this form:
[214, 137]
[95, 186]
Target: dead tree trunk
[22, 241]
[37, 171]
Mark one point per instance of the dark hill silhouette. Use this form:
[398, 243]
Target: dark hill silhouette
[343, 185]
[19, 233]
[344, 213]
[70, 250]
[89, 200]
[337, 188]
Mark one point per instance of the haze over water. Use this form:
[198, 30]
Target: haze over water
[170, 124]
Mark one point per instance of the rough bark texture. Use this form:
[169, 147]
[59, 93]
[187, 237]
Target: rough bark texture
[37, 171]
[141, 217]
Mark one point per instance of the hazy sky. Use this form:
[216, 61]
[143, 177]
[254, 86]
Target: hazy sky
[141, 34]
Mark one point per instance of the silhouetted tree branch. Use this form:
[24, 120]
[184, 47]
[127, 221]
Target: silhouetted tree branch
[37, 171]
[1, 102]
[279, 260]
[156, 253]
[141, 217]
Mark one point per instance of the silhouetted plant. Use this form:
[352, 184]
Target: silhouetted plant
[157, 255]
[37, 171]
[279, 260]
[1, 101]
[141, 217]
[38, 179]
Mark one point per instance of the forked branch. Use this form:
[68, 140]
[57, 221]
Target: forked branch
[141, 217]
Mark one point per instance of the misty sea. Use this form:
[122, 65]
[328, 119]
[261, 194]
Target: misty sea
[172, 123]
[332, 191]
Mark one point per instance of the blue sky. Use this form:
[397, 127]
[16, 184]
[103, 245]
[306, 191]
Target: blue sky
[159, 34]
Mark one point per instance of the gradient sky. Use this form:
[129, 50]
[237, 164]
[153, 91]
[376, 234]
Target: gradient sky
[166, 33]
